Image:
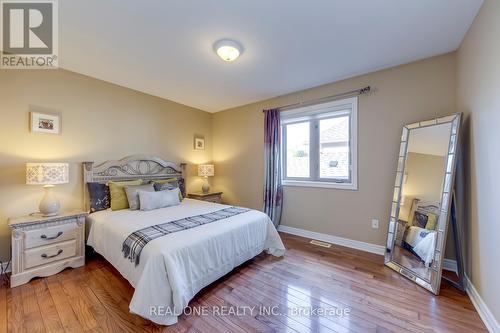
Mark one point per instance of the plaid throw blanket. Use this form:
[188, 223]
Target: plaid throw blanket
[135, 242]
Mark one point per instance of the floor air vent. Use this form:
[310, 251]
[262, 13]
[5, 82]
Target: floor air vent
[320, 243]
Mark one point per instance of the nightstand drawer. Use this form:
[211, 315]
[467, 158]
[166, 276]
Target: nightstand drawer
[46, 254]
[50, 235]
[215, 199]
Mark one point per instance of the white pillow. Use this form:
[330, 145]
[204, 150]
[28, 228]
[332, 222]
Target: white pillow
[160, 199]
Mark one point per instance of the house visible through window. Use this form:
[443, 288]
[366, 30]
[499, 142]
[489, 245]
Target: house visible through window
[320, 145]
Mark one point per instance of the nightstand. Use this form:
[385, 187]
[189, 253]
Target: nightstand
[43, 246]
[401, 228]
[210, 196]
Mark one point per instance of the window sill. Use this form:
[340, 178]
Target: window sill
[304, 183]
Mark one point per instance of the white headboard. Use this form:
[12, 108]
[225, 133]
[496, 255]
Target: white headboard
[146, 167]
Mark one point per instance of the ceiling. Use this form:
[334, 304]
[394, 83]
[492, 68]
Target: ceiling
[164, 48]
[432, 140]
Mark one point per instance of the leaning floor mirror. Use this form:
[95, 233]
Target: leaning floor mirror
[422, 203]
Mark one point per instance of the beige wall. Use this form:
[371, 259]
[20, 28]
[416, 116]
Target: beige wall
[401, 95]
[424, 182]
[478, 97]
[100, 121]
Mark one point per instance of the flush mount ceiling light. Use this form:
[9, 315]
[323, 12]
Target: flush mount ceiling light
[228, 50]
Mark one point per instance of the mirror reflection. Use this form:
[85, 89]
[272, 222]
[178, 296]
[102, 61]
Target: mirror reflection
[420, 200]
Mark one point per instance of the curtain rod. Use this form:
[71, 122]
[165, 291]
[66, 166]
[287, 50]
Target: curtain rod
[352, 93]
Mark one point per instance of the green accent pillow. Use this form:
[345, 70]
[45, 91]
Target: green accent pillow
[431, 221]
[118, 195]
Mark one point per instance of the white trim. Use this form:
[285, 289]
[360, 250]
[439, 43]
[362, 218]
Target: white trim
[484, 312]
[450, 265]
[354, 244]
[9, 268]
[313, 113]
[308, 183]
[353, 145]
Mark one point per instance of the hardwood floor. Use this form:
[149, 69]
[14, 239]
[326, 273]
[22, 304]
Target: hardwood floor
[95, 298]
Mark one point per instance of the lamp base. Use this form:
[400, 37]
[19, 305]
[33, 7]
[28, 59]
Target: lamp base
[205, 188]
[49, 206]
[50, 214]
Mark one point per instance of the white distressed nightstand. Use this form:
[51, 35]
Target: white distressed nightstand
[43, 246]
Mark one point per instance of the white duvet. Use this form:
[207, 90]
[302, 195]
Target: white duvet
[173, 268]
[423, 242]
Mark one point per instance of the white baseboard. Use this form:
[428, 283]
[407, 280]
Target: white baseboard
[354, 244]
[450, 265]
[484, 312]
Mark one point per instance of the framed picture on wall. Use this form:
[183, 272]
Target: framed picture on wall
[45, 122]
[199, 143]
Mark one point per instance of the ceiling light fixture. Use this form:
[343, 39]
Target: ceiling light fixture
[228, 50]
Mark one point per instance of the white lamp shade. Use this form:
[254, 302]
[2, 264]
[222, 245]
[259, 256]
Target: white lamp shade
[47, 173]
[206, 170]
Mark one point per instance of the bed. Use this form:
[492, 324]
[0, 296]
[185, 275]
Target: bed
[419, 237]
[174, 267]
[422, 242]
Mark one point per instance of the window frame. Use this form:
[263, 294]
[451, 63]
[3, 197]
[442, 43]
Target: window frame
[313, 114]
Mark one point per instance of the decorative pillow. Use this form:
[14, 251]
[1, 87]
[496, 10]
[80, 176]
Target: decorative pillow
[420, 219]
[182, 187]
[99, 196]
[118, 195]
[431, 221]
[170, 184]
[133, 196]
[160, 199]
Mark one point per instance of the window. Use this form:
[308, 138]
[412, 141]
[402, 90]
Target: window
[319, 147]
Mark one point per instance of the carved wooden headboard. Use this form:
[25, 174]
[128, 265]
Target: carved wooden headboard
[144, 167]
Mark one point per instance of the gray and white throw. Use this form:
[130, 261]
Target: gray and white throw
[135, 242]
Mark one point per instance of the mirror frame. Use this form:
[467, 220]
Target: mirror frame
[434, 284]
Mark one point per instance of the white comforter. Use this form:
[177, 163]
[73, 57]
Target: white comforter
[423, 242]
[173, 268]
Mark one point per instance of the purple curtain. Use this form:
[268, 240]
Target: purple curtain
[273, 190]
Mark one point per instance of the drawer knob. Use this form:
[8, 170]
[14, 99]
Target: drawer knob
[52, 256]
[53, 237]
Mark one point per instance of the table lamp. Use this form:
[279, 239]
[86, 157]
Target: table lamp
[205, 171]
[48, 175]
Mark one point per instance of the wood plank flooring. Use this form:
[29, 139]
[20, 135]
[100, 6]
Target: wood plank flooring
[95, 298]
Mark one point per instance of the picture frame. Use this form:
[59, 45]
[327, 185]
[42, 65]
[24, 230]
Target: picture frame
[45, 122]
[199, 143]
